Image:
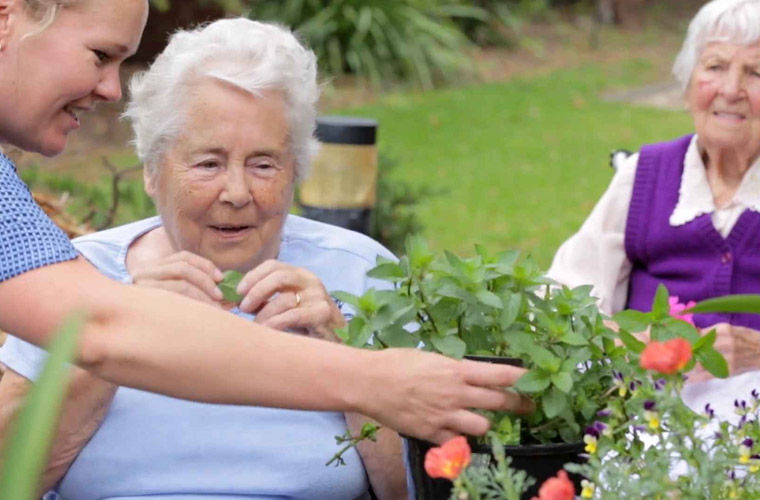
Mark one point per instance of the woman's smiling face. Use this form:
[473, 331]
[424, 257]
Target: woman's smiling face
[56, 74]
[225, 185]
[724, 97]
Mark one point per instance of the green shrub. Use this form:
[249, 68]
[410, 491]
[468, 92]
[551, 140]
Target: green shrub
[383, 40]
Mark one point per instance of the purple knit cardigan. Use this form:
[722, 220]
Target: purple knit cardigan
[693, 260]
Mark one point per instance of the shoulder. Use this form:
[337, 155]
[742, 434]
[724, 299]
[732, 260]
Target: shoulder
[301, 234]
[105, 248]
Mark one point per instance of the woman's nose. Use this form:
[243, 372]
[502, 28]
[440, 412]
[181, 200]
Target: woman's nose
[732, 84]
[235, 191]
[109, 87]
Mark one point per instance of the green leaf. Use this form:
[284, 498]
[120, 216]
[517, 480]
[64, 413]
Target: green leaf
[682, 329]
[553, 402]
[228, 285]
[398, 337]
[660, 304]
[712, 361]
[707, 340]
[33, 430]
[571, 337]
[535, 380]
[746, 303]
[544, 358]
[489, 299]
[633, 321]
[450, 345]
[632, 343]
[563, 381]
[511, 303]
[347, 298]
[387, 271]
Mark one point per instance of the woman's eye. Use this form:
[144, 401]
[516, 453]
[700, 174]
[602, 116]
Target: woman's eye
[208, 164]
[102, 56]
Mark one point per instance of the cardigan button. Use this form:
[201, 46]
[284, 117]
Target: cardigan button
[726, 258]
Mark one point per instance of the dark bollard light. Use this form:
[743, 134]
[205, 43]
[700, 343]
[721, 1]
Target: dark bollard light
[340, 188]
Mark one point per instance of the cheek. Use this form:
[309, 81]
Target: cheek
[702, 93]
[188, 197]
[275, 199]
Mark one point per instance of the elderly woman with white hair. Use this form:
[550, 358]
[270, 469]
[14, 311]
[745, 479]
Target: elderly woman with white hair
[685, 213]
[224, 123]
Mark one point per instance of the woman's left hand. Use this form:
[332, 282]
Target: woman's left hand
[285, 297]
[739, 345]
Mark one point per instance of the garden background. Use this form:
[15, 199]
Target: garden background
[496, 117]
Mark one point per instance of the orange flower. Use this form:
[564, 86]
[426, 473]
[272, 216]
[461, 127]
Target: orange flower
[666, 357]
[557, 488]
[449, 459]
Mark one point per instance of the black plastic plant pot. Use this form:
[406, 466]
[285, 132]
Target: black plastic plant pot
[540, 461]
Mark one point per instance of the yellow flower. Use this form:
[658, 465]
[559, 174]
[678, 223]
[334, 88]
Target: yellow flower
[588, 489]
[653, 419]
[591, 443]
[744, 454]
[623, 390]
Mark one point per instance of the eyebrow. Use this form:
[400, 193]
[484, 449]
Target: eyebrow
[221, 151]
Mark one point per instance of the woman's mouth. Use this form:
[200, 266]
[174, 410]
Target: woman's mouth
[727, 115]
[71, 112]
[231, 231]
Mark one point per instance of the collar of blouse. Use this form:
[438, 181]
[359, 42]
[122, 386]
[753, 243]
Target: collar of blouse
[695, 197]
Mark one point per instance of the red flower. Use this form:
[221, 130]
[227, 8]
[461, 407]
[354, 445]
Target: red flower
[677, 310]
[557, 488]
[666, 357]
[449, 459]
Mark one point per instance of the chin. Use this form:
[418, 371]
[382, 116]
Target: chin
[52, 148]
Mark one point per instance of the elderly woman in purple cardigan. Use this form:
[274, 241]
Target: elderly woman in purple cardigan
[686, 213]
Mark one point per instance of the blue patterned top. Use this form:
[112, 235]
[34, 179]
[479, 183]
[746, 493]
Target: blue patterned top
[28, 238]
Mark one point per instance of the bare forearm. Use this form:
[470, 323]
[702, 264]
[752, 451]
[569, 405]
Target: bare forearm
[162, 342]
[383, 460]
[85, 407]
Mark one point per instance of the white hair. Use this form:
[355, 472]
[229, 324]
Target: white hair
[251, 55]
[731, 21]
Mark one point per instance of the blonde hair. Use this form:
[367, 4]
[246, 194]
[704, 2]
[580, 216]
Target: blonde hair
[45, 11]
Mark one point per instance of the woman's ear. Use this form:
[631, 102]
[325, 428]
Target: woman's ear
[10, 10]
[149, 180]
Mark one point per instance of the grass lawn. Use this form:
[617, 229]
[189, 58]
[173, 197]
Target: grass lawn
[522, 162]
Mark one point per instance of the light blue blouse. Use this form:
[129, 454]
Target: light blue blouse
[28, 238]
[151, 446]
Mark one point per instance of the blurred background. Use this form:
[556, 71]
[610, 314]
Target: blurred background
[496, 117]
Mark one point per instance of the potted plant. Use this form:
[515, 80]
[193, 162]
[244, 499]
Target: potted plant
[502, 307]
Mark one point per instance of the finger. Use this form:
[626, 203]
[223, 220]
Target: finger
[184, 271]
[467, 422]
[491, 375]
[258, 273]
[201, 263]
[498, 400]
[300, 317]
[442, 435]
[278, 281]
[277, 305]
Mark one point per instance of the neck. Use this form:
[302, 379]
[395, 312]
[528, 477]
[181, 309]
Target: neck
[725, 169]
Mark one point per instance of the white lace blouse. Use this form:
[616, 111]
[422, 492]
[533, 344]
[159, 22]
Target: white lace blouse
[596, 253]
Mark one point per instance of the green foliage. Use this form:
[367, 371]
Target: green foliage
[747, 303]
[228, 286]
[395, 216]
[653, 446]
[497, 481]
[34, 428]
[368, 432]
[93, 202]
[383, 40]
[229, 6]
[494, 305]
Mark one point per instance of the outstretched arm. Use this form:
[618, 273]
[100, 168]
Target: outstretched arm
[159, 341]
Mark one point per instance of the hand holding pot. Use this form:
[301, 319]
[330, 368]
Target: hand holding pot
[286, 297]
[428, 395]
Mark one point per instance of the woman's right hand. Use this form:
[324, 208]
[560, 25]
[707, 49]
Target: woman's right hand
[429, 396]
[184, 273]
